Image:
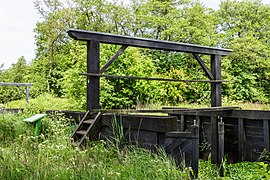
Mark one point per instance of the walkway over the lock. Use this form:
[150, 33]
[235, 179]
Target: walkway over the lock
[26, 85]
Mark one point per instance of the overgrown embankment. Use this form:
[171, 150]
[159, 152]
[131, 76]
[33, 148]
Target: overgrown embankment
[51, 156]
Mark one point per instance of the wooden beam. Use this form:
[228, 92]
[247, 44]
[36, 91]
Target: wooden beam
[241, 140]
[221, 147]
[201, 109]
[250, 114]
[266, 134]
[144, 42]
[117, 54]
[204, 67]
[214, 139]
[196, 151]
[93, 82]
[15, 84]
[149, 79]
[27, 96]
[216, 86]
[26, 92]
[143, 122]
[182, 123]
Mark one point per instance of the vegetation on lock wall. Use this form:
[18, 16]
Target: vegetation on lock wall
[240, 25]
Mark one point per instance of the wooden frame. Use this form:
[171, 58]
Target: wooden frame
[94, 39]
[27, 88]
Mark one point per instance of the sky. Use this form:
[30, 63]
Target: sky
[17, 22]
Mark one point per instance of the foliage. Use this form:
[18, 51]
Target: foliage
[51, 156]
[248, 68]
[240, 25]
[42, 103]
[17, 73]
[242, 170]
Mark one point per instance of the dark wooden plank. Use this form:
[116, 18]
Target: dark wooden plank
[241, 140]
[93, 83]
[266, 133]
[226, 111]
[177, 134]
[184, 146]
[214, 139]
[146, 123]
[182, 123]
[195, 149]
[180, 145]
[117, 54]
[142, 137]
[151, 79]
[180, 109]
[198, 120]
[254, 124]
[204, 67]
[222, 111]
[216, 86]
[250, 114]
[144, 42]
[161, 139]
[221, 146]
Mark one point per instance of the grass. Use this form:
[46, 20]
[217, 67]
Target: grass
[51, 156]
[48, 102]
[43, 103]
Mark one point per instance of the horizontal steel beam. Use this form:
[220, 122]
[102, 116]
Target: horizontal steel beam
[82, 35]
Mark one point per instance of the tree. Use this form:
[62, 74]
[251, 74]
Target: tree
[18, 72]
[245, 18]
[246, 28]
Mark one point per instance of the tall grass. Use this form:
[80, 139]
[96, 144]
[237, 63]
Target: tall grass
[51, 156]
[44, 102]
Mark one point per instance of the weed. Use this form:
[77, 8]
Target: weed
[24, 156]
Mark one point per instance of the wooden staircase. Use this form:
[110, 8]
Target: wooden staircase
[87, 129]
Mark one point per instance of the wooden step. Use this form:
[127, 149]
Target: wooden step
[81, 132]
[87, 129]
[90, 121]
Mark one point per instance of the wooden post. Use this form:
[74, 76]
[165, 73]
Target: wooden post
[214, 139]
[266, 133]
[216, 86]
[93, 83]
[241, 140]
[221, 146]
[182, 123]
[195, 145]
[27, 94]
